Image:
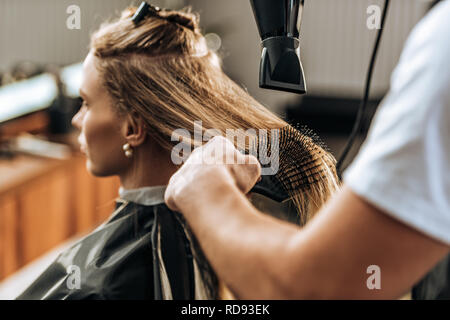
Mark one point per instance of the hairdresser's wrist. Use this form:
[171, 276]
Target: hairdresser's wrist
[216, 197]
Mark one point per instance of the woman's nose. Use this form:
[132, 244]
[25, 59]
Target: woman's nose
[77, 119]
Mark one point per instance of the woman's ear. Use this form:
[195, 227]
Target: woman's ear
[133, 130]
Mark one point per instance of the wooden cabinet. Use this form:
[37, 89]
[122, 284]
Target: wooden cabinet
[9, 235]
[44, 202]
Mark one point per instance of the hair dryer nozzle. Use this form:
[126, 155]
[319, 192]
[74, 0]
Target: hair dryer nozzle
[277, 21]
[281, 68]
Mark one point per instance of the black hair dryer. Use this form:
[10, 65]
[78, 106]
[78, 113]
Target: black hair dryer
[278, 23]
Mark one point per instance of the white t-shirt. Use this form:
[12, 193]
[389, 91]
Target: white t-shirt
[404, 165]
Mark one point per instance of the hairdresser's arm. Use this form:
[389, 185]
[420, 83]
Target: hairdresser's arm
[261, 257]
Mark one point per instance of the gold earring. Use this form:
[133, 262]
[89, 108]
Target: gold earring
[128, 150]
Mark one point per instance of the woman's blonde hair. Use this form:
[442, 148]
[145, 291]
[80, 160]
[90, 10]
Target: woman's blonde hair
[162, 71]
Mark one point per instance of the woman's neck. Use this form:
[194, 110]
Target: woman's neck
[148, 168]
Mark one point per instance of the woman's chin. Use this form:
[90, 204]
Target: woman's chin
[96, 171]
[89, 167]
[92, 169]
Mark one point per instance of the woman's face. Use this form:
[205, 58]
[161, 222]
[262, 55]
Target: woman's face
[101, 138]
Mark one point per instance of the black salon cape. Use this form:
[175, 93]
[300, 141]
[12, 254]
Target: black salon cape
[436, 283]
[119, 260]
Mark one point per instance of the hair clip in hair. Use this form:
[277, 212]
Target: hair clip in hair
[143, 10]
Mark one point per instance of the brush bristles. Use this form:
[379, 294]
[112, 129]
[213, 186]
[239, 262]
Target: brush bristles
[307, 171]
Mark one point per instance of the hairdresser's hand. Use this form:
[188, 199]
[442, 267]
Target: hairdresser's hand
[210, 170]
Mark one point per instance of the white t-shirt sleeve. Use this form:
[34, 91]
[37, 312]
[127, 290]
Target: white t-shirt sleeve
[403, 167]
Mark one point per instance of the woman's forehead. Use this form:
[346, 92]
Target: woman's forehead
[91, 85]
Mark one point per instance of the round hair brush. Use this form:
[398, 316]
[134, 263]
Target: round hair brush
[304, 164]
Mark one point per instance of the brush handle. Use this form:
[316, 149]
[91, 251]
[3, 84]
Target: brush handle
[271, 188]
